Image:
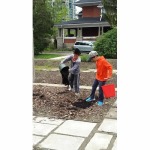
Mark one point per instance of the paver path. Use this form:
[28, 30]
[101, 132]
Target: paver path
[58, 134]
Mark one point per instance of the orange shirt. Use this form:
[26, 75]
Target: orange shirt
[104, 69]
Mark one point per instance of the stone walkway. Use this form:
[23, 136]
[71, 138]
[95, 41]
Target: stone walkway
[58, 134]
[88, 70]
[61, 85]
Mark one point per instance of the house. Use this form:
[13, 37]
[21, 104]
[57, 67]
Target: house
[89, 25]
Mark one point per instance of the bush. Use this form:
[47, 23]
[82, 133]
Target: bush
[84, 58]
[106, 44]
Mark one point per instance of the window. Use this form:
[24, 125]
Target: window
[82, 43]
[77, 43]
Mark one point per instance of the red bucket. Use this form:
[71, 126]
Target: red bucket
[109, 90]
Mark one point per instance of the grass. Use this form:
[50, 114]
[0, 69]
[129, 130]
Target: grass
[43, 68]
[46, 56]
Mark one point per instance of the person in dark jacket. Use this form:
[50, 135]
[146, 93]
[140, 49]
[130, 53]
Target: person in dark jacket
[74, 71]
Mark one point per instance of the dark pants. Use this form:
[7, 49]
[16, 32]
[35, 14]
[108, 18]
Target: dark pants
[94, 86]
[74, 82]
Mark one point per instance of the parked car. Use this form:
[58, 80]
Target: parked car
[84, 46]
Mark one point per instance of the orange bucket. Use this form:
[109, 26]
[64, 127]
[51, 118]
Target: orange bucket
[109, 90]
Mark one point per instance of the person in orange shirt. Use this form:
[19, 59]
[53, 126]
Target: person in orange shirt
[103, 73]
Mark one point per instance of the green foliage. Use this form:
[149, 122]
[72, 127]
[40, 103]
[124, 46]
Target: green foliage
[84, 57]
[46, 56]
[46, 13]
[42, 25]
[106, 44]
[110, 7]
[59, 13]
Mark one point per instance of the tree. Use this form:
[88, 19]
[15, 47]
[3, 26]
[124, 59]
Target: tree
[42, 25]
[59, 13]
[110, 14]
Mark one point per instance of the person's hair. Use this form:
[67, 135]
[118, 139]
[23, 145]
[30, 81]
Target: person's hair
[77, 51]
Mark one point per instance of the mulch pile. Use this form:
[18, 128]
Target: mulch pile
[55, 102]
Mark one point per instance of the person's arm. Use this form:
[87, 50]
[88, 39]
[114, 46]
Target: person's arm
[109, 69]
[76, 65]
[68, 58]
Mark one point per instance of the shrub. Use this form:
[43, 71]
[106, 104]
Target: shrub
[106, 44]
[84, 58]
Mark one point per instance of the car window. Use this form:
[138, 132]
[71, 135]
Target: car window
[87, 43]
[82, 43]
[77, 43]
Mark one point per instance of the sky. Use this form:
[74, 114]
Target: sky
[78, 9]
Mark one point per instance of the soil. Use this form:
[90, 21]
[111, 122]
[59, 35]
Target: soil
[83, 66]
[86, 78]
[57, 102]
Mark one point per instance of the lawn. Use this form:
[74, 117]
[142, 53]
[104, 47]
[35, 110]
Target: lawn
[46, 56]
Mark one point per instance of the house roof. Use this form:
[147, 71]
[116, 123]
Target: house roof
[83, 22]
[81, 3]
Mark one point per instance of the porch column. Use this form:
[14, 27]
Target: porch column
[60, 38]
[63, 35]
[99, 31]
[79, 32]
[79, 36]
[102, 30]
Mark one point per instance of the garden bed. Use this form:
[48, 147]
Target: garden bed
[56, 102]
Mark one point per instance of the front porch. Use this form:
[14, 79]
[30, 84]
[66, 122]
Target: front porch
[68, 36]
[86, 28]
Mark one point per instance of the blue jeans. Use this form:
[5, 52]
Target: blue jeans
[94, 87]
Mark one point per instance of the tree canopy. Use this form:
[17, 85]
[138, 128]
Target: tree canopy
[46, 13]
[110, 14]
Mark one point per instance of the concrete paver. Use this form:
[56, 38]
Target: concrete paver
[33, 117]
[46, 120]
[76, 128]
[36, 139]
[112, 113]
[115, 145]
[61, 142]
[94, 70]
[115, 104]
[58, 58]
[42, 129]
[99, 141]
[61, 85]
[108, 125]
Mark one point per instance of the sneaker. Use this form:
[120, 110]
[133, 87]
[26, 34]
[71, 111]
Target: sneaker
[70, 89]
[89, 99]
[99, 103]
